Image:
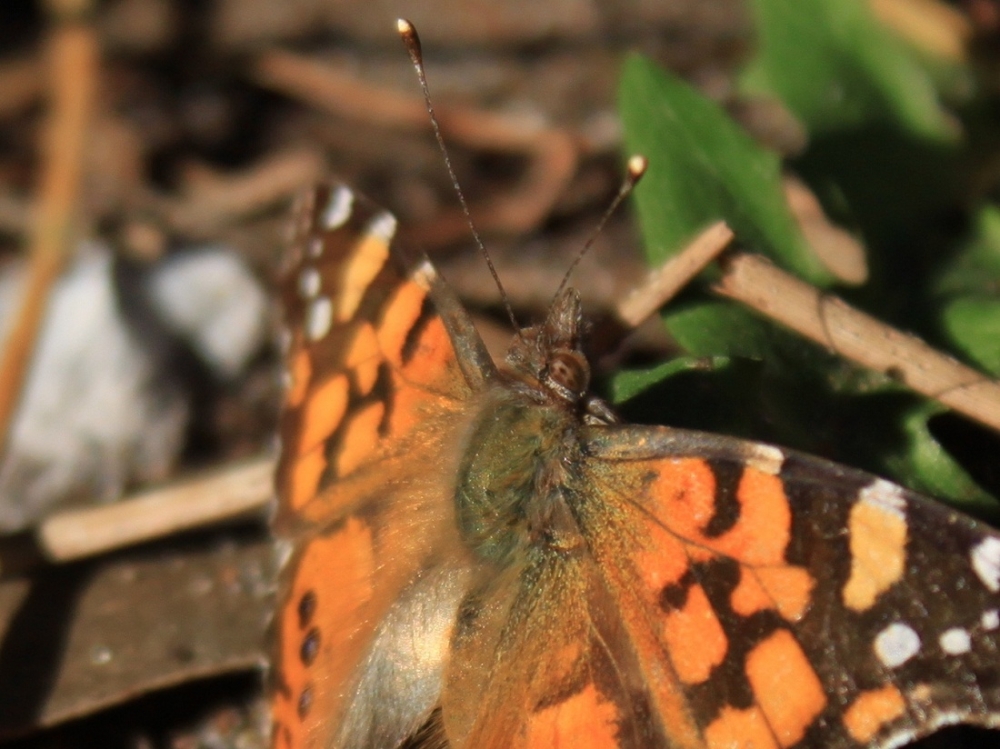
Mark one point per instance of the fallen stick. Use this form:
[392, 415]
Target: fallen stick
[191, 503]
[854, 335]
[73, 59]
[664, 282]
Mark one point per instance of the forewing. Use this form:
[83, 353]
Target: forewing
[374, 411]
[785, 601]
[369, 362]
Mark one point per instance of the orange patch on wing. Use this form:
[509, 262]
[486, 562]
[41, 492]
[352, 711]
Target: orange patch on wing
[742, 729]
[322, 411]
[300, 370]
[683, 495]
[694, 638]
[306, 473]
[400, 315]
[338, 571]
[789, 587]
[361, 267]
[644, 623]
[360, 437]
[785, 686]
[749, 597]
[786, 589]
[761, 534]
[872, 710]
[432, 355]
[878, 553]
[364, 356]
[661, 561]
[584, 720]
[408, 407]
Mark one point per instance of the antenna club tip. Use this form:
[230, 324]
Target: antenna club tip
[637, 165]
[408, 33]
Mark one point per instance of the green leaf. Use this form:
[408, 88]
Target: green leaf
[970, 284]
[894, 181]
[928, 467]
[976, 267]
[628, 384]
[836, 67]
[694, 393]
[702, 168]
[973, 324]
[707, 328]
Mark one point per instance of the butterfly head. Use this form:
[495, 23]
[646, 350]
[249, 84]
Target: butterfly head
[551, 354]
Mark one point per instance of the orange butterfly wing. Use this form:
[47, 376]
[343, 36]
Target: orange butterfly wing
[617, 586]
[785, 597]
[729, 594]
[374, 394]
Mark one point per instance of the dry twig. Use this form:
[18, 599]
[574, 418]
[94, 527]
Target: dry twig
[73, 63]
[837, 249]
[931, 25]
[664, 282]
[191, 503]
[212, 200]
[552, 151]
[833, 323]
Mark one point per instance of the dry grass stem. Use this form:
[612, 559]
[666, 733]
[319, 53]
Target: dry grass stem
[553, 152]
[664, 282]
[212, 200]
[192, 503]
[73, 56]
[833, 323]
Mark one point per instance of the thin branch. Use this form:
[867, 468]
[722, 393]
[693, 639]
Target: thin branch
[212, 200]
[73, 63]
[833, 323]
[553, 152]
[664, 282]
[192, 503]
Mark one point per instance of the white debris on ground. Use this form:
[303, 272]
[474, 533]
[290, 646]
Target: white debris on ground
[102, 408]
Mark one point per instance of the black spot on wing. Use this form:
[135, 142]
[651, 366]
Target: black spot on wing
[728, 474]
[307, 608]
[727, 686]
[305, 702]
[674, 596]
[411, 346]
[310, 647]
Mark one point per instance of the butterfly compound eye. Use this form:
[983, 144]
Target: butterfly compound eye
[568, 373]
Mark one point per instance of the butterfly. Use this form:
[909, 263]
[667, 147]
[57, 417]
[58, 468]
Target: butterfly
[483, 555]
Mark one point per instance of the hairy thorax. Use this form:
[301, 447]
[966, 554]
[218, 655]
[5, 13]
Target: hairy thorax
[515, 479]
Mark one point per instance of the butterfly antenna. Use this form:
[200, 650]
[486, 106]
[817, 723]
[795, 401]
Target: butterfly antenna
[408, 34]
[636, 167]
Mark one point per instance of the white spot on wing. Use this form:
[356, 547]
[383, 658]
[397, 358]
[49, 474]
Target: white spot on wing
[896, 644]
[318, 318]
[990, 619]
[338, 208]
[766, 459]
[424, 274]
[315, 248]
[985, 558]
[886, 495]
[955, 641]
[309, 283]
[383, 226]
